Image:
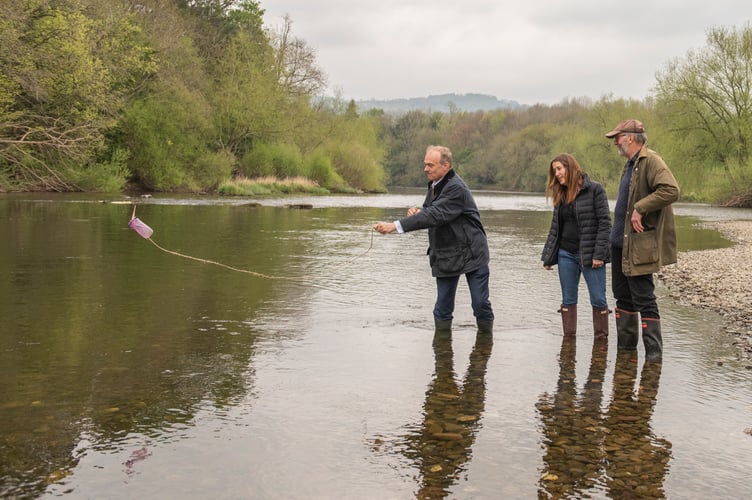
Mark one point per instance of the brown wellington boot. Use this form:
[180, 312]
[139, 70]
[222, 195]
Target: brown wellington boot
[569, 320]
[600, 322]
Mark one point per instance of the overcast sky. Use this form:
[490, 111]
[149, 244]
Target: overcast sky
[530, 51]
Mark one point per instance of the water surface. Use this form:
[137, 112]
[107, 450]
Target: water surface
[304, 366]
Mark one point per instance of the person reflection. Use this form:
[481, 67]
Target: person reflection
[636, 460]
[442, 445]
[573, 425]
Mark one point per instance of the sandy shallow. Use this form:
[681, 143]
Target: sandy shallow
[718, 280]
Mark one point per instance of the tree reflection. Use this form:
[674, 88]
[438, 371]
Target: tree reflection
[442, 445]
[589, 450]
[573, 425]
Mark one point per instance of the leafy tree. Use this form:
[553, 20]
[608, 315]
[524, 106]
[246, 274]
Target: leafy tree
[69, 76]
[166, 133]
[248, 104]
[525, 155]
[706, 100]
[412, 133]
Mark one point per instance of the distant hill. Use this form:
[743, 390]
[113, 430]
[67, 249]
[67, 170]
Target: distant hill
[443, 103]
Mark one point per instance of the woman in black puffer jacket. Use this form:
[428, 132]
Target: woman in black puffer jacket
[578, 241]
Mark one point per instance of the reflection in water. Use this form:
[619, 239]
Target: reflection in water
[441, 446]
[637, 460]
[110, 346]
[573, 427]
[125, 372]
[587, 449]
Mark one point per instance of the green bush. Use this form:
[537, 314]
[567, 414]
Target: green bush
[357, 166]
[210, 169]
[167, 139]
[319, 169]
[256, 163]
[267, 159]
[108, 177]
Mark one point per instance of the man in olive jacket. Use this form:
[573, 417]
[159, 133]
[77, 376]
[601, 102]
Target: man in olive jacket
[457, 240]
[643, 238]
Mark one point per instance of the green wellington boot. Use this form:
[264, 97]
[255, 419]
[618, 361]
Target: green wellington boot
[485, 328]
[443, 327]
[627, 329]
[652, 339]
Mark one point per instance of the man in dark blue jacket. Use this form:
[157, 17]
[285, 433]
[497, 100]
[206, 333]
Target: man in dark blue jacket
[457, 240]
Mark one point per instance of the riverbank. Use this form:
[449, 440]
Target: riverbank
[719, 280]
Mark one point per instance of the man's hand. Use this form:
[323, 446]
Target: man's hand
[412, 211]
[637, 221]
[385, 227]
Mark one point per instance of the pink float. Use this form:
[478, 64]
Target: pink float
[142, 229]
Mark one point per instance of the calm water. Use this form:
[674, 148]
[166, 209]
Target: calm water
[307, 367]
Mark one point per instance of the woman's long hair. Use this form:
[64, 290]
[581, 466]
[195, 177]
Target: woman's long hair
[557, 192]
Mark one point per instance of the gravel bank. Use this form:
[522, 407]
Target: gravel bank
[719, 280]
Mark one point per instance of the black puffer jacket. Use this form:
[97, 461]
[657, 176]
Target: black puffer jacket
[457, 240]
[593, 224]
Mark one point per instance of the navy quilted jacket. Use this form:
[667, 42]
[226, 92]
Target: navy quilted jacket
[593, 224]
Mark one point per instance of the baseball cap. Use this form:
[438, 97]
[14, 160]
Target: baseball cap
[630, 126]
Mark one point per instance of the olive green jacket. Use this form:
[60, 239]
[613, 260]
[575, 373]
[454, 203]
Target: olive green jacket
[652, 190]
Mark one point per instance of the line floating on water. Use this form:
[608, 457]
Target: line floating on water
[146, 232]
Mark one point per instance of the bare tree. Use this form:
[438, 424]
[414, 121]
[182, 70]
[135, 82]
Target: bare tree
[295, 63]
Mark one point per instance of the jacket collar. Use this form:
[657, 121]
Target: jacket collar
[439, 185]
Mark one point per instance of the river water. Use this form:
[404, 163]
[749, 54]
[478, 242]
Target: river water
[277, 352]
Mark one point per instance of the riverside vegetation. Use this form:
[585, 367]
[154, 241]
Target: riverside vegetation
[208, 96]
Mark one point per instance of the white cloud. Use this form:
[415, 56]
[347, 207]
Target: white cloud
[534, 51]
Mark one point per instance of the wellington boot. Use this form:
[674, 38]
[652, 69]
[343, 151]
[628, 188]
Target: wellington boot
[443, 327]
[652, 339]
[569, 320]
[600, 322]
[627, 329]
[485, 328]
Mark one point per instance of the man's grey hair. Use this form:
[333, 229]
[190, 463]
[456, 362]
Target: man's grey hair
[445, 152]
[641, 138]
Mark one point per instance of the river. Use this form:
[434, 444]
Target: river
[258, 348]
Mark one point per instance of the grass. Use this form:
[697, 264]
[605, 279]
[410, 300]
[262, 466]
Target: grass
[243, 186]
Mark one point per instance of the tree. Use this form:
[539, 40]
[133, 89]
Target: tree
[295, 63]
[706, 100]
[68, 71]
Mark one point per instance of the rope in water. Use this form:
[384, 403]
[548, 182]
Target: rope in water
[246, 271]
[364, 253]
[207, 261]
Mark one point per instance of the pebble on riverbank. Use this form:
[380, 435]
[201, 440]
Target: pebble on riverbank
[718, 280]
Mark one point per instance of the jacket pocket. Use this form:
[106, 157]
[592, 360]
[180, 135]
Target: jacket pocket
[643, 247]
[449, 260]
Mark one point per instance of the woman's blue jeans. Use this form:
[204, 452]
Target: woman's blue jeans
[446, 289]
[570, 270]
